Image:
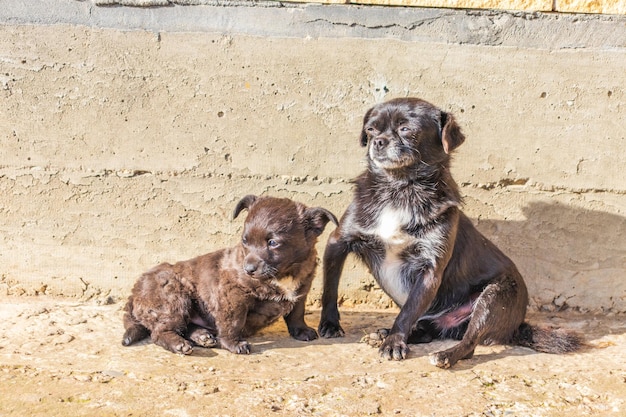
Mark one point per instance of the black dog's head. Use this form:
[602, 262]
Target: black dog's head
[278, 234]
[405, 132]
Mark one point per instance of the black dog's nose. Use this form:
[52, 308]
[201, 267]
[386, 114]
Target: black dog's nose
[380, 143]
[250, 268]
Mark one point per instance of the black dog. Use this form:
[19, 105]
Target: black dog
[406, 225]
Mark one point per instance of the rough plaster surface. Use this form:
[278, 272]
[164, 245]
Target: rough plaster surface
[123, 145]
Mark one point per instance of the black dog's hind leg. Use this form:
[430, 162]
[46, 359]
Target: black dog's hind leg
[497, 314]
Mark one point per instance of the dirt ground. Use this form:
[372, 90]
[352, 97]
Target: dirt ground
[61, 357]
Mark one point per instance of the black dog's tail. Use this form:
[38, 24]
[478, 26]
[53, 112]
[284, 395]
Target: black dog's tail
[547, 339]
[135, 331]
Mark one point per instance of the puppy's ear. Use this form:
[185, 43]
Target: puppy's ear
[451, 136]
[315, 219]
[363, 139]
[244, 203]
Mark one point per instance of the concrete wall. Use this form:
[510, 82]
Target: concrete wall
[127, 135]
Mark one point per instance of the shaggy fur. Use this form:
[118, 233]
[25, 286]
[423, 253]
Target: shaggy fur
[220, 298]
[406, 225]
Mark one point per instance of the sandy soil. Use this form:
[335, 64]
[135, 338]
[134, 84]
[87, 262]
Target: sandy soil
[60, 357]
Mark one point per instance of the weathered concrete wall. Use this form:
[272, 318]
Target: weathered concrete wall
[127, 135]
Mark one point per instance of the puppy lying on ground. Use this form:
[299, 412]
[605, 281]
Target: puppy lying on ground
[406, 225]
[220, 298]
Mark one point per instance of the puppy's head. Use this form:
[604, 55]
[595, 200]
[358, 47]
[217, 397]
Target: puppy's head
[405, 132]
[278, 234]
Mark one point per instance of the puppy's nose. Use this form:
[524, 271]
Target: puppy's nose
[250, 268]
[380, 143]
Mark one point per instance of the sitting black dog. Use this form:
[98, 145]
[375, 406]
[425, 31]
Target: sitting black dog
[406, 225]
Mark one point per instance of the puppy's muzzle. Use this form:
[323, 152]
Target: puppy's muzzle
[250, 268]
[253, 265]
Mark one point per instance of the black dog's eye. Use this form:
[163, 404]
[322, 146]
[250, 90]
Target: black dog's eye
[404, 129]
[370, 129]
[272, 243]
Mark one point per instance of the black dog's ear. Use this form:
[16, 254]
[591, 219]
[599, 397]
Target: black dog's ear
[363, 140]
[451, 136]
[244, 203]
[316, 219]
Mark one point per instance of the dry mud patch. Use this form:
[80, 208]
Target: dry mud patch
[60, 357]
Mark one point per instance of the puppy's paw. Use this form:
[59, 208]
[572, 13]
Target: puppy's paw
[329, 329]
[305, 334]
[202, 337]
[240, 347]
[173, 342]
[394, 347]
[376, 338]
[184, 348]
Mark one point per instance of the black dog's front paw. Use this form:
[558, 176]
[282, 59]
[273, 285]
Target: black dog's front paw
[330, 329]
[394, 347]
[305, 334]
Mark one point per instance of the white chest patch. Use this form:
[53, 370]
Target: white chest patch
[390, 229]
[391, 224]
[289, 287]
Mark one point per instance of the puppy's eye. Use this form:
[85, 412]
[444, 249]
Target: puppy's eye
[272, 243]
[244, 241]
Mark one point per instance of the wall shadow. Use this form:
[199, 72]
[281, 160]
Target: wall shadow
[571, 258]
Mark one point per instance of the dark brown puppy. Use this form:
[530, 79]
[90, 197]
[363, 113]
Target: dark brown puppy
[222, 297]
[406, 225]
